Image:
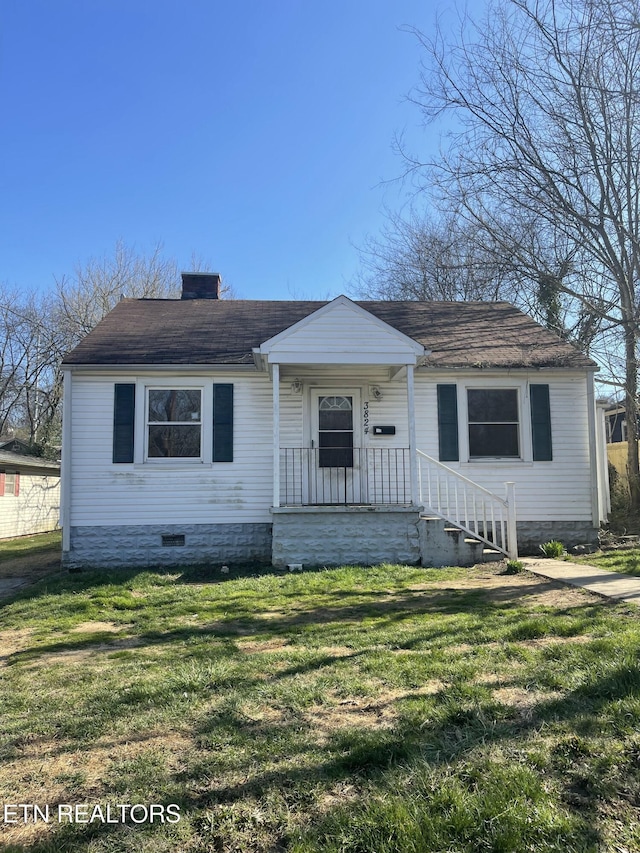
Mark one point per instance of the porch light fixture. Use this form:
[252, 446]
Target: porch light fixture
[375, 392]
[296, 387]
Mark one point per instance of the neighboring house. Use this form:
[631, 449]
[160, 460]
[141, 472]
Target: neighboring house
[29, 494]
[199, 429]
[615, 418]
[16, 445]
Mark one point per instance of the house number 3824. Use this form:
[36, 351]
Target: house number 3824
[366, 417]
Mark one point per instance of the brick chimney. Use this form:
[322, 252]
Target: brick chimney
[201, 285]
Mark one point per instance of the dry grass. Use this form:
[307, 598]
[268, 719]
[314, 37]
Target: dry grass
[268, 706]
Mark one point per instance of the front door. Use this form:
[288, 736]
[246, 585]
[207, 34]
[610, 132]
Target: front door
[336, 447]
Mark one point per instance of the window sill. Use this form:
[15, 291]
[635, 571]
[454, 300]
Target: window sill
[172, 464]
[497, 460]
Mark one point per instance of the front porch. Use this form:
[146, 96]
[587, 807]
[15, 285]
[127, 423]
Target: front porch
[347, 478]
[370, 476]
[362, 512]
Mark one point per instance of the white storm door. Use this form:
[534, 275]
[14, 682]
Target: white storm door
[336, 447]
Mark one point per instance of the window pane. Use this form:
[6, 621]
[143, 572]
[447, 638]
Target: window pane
[492, 406]
[493, 440]
[174, 405]
[327, 403]
[9, 484]
[335, 419]
[174, 441]
[335, 439]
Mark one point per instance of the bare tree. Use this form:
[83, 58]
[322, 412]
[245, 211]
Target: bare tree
[97, 285]
[31, 348]
[452, 259]
[37, 330]
[545, 101]
[421, 258]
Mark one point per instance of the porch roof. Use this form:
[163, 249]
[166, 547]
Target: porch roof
[340, 332]
[217, 332]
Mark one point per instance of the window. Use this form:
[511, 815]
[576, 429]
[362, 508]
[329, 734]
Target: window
[9, 484]
[493, 423]
[335, 432]
[174, 423]
[189, 422]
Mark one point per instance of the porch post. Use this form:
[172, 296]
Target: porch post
[413, 455]
[276, 434]
[591, 425]
[65, 473]
[512, 529]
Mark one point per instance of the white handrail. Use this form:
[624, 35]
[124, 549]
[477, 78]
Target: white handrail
[449, 495]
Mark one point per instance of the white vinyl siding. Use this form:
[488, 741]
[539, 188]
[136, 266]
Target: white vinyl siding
[182, 491]
[558, 490]
[103, 493]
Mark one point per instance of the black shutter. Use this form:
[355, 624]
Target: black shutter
[124, 405]
[448, 423]
[222, 423]
[540, 423]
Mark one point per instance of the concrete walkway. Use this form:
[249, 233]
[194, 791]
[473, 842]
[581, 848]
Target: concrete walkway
[609, 584]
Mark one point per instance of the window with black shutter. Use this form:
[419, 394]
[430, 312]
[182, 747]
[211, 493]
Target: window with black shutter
[448, 423]
[541, 423]
[223, 422]
[124, 404]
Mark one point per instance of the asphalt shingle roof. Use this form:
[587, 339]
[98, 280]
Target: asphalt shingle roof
[211, 331]
[9, 458]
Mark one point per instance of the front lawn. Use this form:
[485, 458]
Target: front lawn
[384, 710]
[623, 560]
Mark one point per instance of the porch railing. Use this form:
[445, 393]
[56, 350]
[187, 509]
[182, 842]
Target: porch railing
[368, 475]
[468, 505]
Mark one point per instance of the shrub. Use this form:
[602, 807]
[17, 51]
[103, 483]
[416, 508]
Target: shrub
[553, 549]
[514, 567]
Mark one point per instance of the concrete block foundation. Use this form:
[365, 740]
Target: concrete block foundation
[336, 536]
[532, 534]
[325, 536]
[168, 545]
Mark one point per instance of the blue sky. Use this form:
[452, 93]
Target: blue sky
[256, 135]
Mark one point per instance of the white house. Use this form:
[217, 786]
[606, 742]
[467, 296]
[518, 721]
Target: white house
[29, 494]
[207, 430]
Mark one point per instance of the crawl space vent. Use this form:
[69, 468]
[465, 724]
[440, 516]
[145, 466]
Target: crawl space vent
[172, 540]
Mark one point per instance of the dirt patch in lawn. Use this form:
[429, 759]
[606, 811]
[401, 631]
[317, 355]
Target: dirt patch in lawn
[97, 628]
[49, 771]
[284, 647]
[13, 640]
[498, 586]
[68, 656]
[363, 713]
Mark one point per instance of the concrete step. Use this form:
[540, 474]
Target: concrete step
[442, 544]
[490, 555]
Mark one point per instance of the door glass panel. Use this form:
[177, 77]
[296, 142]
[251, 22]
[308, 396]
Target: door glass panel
[335, 432]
